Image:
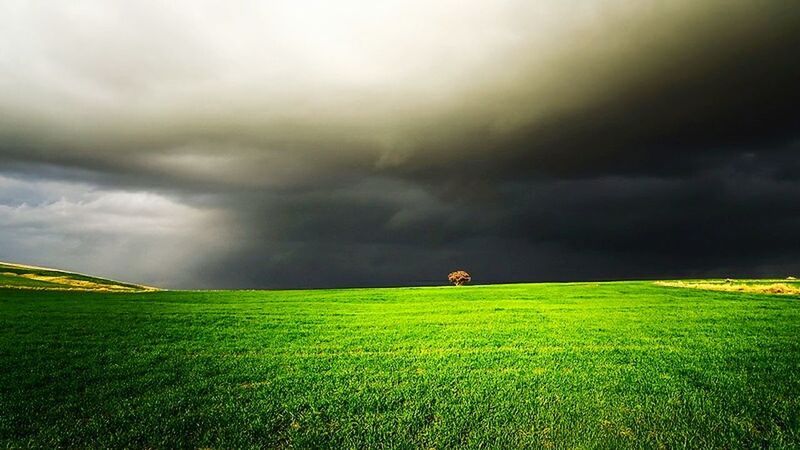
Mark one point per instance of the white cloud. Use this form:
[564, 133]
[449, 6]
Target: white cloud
[301, 83]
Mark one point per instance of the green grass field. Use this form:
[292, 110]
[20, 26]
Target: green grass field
[585, 365]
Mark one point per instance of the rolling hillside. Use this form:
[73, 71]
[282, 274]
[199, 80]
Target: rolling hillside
[40, 278]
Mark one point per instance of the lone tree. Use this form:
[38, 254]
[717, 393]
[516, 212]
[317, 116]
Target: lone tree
[459, 277]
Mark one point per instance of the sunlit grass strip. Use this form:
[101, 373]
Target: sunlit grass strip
[733, 286]
[73, 283]
[79, 289]
[64, 283]
[20, 276]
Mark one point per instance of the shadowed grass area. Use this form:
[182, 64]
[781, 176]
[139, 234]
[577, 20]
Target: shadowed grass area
[583, 365]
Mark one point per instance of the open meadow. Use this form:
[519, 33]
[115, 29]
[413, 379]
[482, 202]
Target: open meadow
[562, 365]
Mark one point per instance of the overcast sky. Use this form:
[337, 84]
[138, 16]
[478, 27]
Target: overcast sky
[196, 144]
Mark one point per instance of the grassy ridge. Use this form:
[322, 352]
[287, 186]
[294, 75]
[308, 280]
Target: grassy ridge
[593, 365]
[31, 277]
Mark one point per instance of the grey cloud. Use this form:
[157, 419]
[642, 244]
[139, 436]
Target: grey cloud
[158, 91]
[118, 234]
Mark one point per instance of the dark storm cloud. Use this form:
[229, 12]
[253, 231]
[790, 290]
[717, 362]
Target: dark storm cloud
[307, 145]
[677, 96]
[732, 220]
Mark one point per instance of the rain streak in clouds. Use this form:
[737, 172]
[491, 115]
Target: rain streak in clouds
[294, 144]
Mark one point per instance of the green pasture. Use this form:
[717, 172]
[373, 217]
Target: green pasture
[569, 365]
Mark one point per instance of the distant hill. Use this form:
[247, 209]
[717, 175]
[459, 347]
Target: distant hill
[30, 277]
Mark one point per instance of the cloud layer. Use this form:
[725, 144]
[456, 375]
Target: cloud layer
[307, 144]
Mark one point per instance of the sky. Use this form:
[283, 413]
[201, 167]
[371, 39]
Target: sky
[200, 144]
